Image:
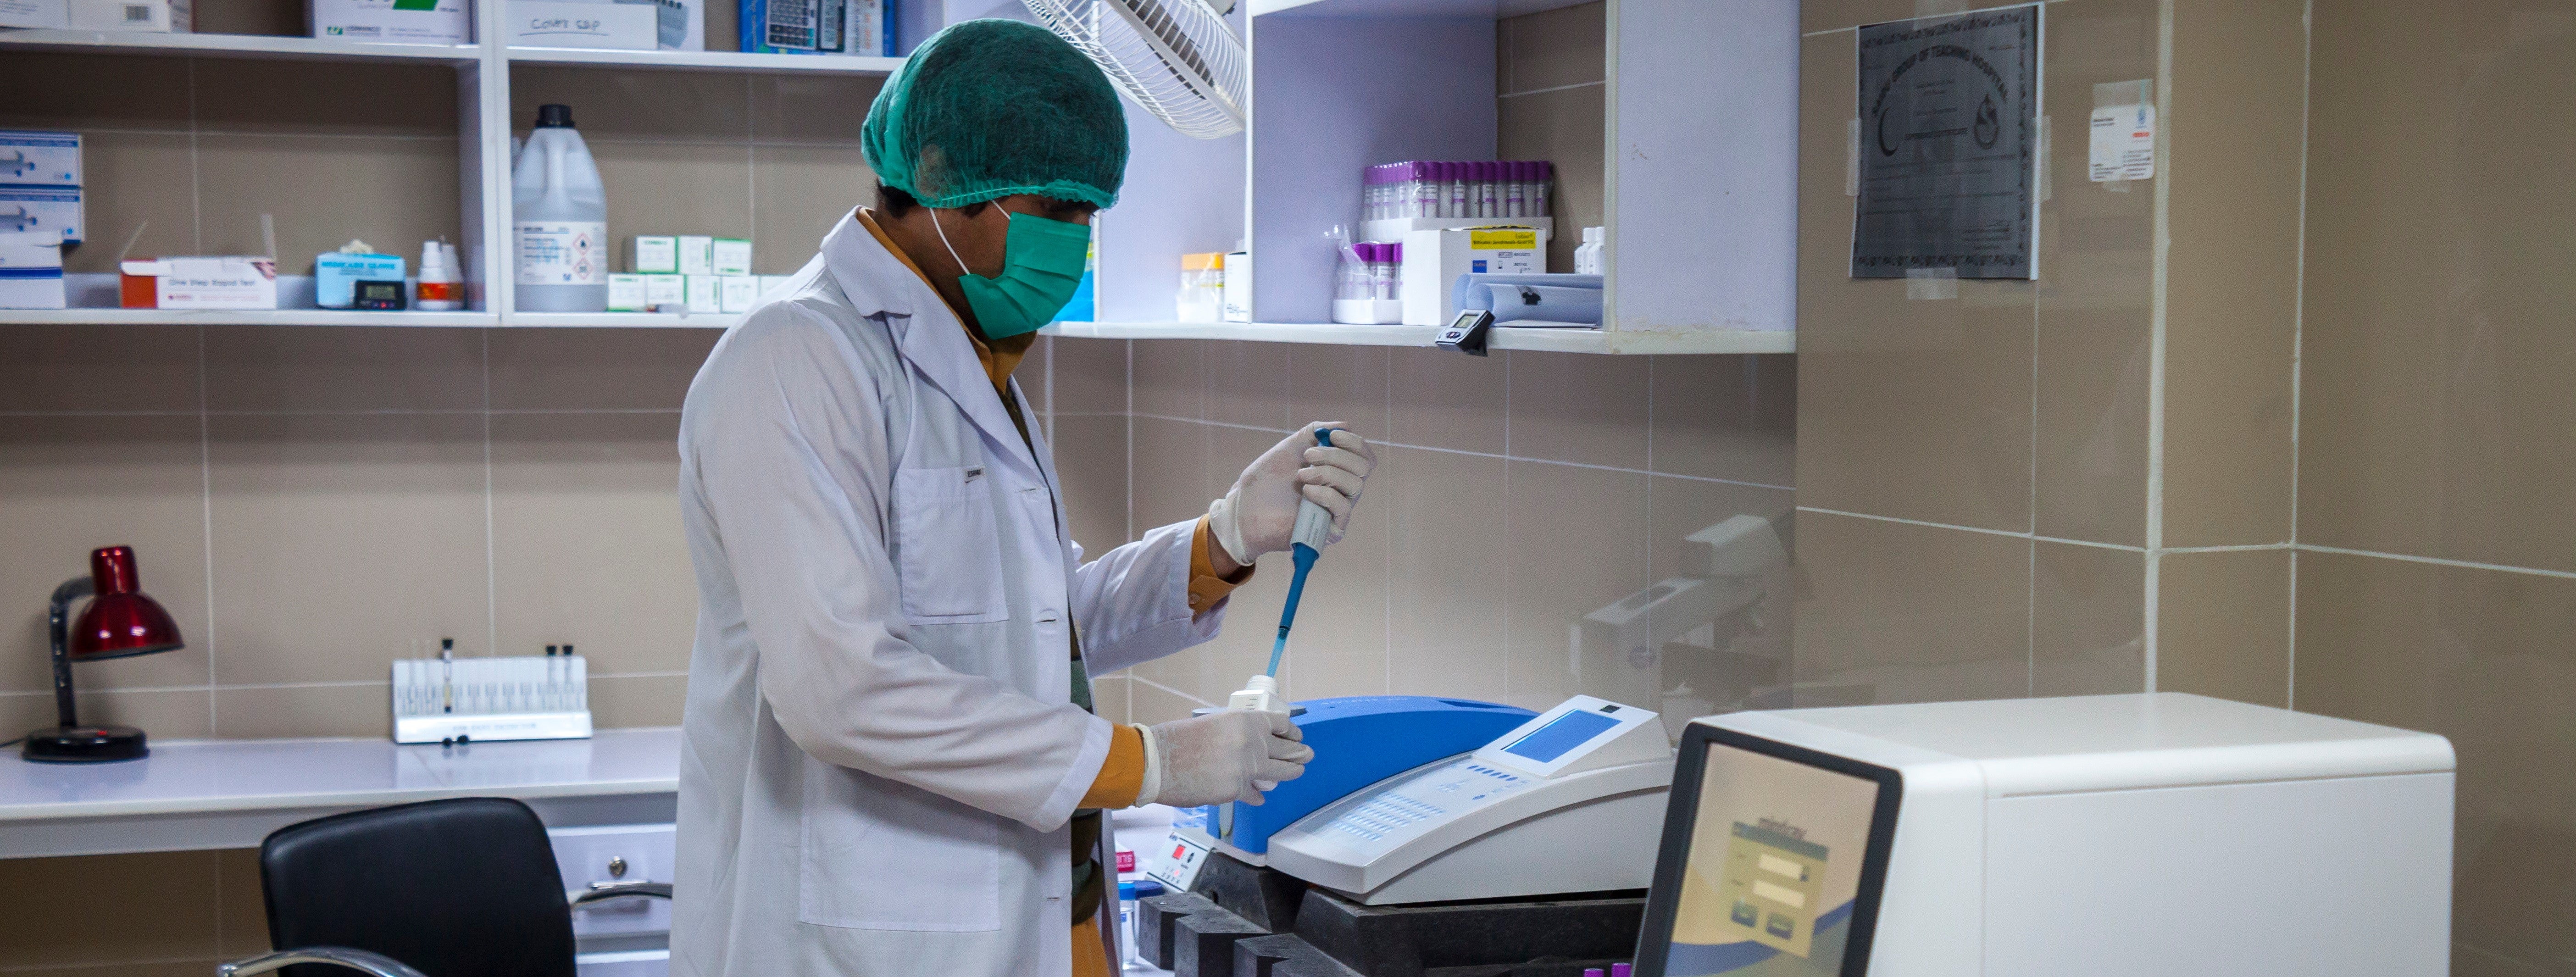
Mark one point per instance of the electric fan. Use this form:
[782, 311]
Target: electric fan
[1175, 58]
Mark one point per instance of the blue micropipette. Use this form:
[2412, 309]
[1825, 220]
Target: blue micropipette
[1314, 529]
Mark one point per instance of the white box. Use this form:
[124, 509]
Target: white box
[556, 23]
[665, 291]
[738, 293]
[678, 25]
[51, 159]
[1433, 260]
[626, 293]
[730, 256]
[377, 20]
[697, 254]
[143, 16]
[706, 293]
[1238, 287]
[650, 254]
[37, 14]
[31, 270]
[42, 209]
[213, 282]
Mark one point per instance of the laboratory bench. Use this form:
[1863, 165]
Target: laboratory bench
[214, 794]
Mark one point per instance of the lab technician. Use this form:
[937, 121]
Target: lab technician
[890, 764]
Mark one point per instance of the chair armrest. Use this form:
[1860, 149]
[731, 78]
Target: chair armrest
[376, 964]
[604, 891]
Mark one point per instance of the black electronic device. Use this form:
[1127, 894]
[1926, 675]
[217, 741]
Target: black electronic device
[380, 295]
[1467, 332]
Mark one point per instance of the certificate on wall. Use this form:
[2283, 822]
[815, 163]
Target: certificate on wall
[1946, 174]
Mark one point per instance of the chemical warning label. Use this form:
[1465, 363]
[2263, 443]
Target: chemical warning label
[561, 252]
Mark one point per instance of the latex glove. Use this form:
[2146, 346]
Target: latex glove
[1214, 758]
[1257, 515]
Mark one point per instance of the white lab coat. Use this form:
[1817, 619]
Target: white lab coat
[879, 754]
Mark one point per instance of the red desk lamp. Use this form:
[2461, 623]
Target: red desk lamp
[120, 623]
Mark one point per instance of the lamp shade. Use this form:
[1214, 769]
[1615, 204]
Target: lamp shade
[120, 622]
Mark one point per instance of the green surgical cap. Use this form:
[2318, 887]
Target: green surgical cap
[991, 108]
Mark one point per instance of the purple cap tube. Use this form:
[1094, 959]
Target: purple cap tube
[1619, 970]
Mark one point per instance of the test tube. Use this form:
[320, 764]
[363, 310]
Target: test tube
[1540, 171]
[1391, 287]
[1426, 196]
[1516, 191]
[1456, 175]
[1488, 201]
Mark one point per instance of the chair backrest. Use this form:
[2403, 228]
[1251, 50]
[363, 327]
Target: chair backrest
[454, 888]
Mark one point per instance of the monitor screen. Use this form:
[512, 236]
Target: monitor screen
[1546, 743]
[1780, 850]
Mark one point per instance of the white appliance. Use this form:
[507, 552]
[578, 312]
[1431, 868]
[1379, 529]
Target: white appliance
[1566, 802]
[2108, 836]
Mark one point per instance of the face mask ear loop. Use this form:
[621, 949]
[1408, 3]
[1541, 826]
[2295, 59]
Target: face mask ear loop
[943, 242]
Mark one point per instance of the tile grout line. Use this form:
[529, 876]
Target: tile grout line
[1133, 677]
[206, 520]
[1552, 88]
[1508, 573]
[2151, 632]
[355, 683]
[491, 563]
[2299, 328]
[196, 179]
[1488, 454]
[2434, 561]
[2006, 533]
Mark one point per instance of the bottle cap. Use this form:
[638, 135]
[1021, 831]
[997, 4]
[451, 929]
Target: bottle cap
[554, 117]
[1145, 888]
[432, 256]
[1619, 970]
[1126, 891]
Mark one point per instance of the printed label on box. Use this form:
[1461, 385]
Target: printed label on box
[562, 252]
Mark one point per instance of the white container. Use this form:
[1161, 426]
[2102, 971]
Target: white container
[697, 254]
[377, 20]
[1433, 260]
[139, 16]
[730, 256]
[653, 254]
[677, 25]
[627, 293]
[42, 209]
[665, 292]
[556, 23]
[1202, 294]
[1238, 286]
[737, 293]
[31, 270]
[559, 214]
[442, 283]
[50, 159]
[38, 14]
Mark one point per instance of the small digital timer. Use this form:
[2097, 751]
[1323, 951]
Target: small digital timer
[382, 295]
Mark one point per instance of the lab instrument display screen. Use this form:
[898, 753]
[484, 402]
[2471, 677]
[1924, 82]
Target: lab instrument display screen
[1772, 862]
[1546, 743]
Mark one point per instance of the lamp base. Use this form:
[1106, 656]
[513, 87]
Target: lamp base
[85, 744]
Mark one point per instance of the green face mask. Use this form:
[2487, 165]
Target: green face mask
[1041, 267]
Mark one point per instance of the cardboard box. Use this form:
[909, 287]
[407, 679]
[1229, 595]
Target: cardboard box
[706, 294]
[678, 25]
[738, 293]
[664, 292]
[42, 209]
[731, 256]
[1433, 260]
[568, 23]
[443, 22]
[53, 15]
[648, 254]
[626, 293]
[211, 282]
[47, 159]
[31, 270]
[697, 254]
[144, 16]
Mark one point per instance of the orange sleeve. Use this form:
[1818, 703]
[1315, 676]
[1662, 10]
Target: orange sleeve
[1122, 776]
[1206, 588]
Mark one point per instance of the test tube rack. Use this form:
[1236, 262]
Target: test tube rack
[459, 700]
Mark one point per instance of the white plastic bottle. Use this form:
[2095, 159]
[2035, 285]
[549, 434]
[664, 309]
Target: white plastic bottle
[442, 286]
[559, 220]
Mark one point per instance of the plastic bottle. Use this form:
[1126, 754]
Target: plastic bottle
[559, 213]
[442, 287]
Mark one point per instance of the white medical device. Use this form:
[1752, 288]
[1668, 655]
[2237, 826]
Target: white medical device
[2108, 836]
[1566, 802]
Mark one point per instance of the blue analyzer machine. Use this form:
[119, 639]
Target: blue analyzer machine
[1358, 741]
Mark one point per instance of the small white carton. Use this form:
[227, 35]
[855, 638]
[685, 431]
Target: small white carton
[213, 282]
[626, 293]
[145, 16]
[738, 293]
[1433, 260]
[653, 254]
[706, 293]
[663, 293]
[42, 209]
[49, 159]
[557, 23]
[731, 256]
[400, 21]
[53, 15]
[697, 254]
[31, 270]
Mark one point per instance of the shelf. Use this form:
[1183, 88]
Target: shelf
[1546, 340]
[622, 320]
[229, 46]
[230, 317]
[824, 64]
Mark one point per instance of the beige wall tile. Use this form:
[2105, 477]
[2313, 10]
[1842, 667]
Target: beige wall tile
[1825, 15]
[341, 541]
[279, 18]
[1339, 645]
[1169, 477]
[1170, 378]
[344, 368]
[1744, 650]
[622, 701]
[2088, 620]
[595, 369]
[586, 544]
[243, 910]
[1109, 698]
[2434, 405]
[1585, 409]
[2481, 657]
[1156, 705]
[798, 194]
[1032, 372]
[1577, 542]
[393, 192]
[1894, 612]
[1730, 417]
[1090, 375]
[1091, 463]
[88, 93]
[1248, 384]
[1566, 127]
[178, 968]
[2232, 303]
[2223, 625]
[1441, 399]
[162, 714]
[101, 368]
[311, 98]
[1552, 48]
[1252, 615]
[69, 485]
[1447, 589]
[1919, 409]
[136, 180]
[359, 710]
[810, 108]
[672, 188]
[171, 917]
[610, 105]
[1347, 384]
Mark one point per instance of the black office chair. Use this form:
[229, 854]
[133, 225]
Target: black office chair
[454, 888]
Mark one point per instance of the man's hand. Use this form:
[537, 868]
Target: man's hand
[1214, 758]
[1258, 513]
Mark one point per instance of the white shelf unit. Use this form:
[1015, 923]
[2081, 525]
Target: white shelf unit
[1700, 176]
